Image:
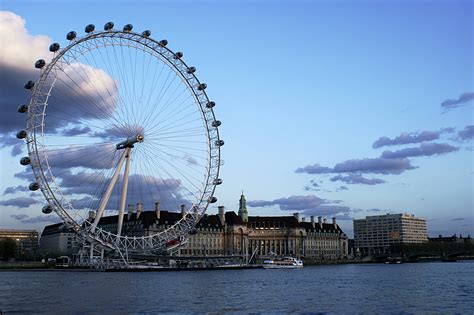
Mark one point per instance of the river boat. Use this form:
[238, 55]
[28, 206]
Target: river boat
[283, 263]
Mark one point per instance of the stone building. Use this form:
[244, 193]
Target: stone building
[231, 234]
[58, 240]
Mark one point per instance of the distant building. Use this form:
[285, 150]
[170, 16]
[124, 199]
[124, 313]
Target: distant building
[227, 233]
[452, 239]
[26, 241]
[375, 234]
[57, 240]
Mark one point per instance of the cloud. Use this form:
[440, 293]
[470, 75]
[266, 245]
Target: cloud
[94, 156]
[460, 101]
[367, 165]
[458, 219]
[409, 137]
[290, 203]
[85, 190]
[19, 202]
[19, 216]
[81, 92]
[467, 133]
[14, 189]
[313, 186]
[76, 131]
[327, 210]
[357, 179]
[308, 205]
[375, 165]
[25, 219]
[313, 169]
[425, 149]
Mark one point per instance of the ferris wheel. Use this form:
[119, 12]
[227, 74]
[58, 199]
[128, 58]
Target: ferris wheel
[118, 118]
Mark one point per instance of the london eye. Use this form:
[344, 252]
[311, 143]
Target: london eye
[118, 119]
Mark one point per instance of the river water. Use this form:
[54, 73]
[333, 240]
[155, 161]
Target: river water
[407, 288]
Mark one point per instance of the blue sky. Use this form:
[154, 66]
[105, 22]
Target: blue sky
[313, 82]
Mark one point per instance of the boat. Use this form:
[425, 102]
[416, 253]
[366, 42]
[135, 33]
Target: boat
[283, 263]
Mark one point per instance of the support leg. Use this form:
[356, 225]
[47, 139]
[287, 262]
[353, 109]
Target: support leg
[100, 212]
[123, 197]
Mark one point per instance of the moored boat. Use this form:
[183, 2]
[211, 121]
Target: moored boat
[283, 263]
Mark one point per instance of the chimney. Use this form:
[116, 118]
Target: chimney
[303, 219]
[320, 222]
[157, 209]
[130, 211]
[297, 216]
[139, 209]
[324, 220]
[91, 216]
[183, 210]
[312, 221]
[334, 222]
[222, 214]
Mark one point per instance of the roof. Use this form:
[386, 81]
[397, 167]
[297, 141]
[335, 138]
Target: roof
[231, 218]
[284, 221]
[317, 228]
[56, 229]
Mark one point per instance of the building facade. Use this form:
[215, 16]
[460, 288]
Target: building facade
[375, 234]
[58, 240]
[231, 234]
[26, 241]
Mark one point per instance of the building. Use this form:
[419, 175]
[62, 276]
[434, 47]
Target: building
[228, 233]
[452, 239]
[375, 234]
[26, 241]
[57, 240]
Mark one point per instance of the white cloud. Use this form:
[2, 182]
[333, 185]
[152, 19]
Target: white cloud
[19, 48]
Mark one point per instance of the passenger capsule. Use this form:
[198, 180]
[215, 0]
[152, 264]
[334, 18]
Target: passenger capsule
[47, 209]
[23, 108]
[163, 43]
[212, 200]
[108, 26]
[54, 47]
[219, 143]
[34, 186]
[29, 85]
[202, 86]
[191, 70]
[90, 28]
[128, 28]
[210, 104]
[40, 64]
[216, 123]
[217, 181]
[25, 160]
[146, 33]
[71, 35]
[21, 134]
[178, 55]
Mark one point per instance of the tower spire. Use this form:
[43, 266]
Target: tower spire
[243, 213]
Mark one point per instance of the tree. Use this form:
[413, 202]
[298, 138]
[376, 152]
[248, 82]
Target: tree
[7, 248]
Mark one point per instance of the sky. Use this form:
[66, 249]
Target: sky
[332, 108]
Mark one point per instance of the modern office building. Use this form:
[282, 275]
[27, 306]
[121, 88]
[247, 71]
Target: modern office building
[375, 234]
[228, 233]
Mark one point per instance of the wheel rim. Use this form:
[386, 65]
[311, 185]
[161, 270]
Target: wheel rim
[83, 94]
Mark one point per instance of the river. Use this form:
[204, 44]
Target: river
[365, 288]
